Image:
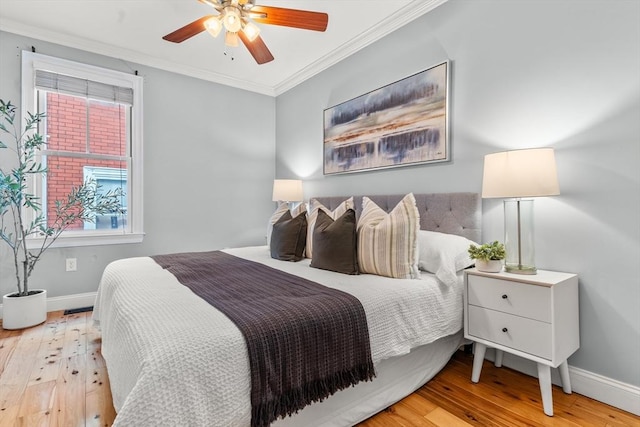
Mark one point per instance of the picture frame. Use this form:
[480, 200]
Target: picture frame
[403, 123]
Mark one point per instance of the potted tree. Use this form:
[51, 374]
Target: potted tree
[488, 256]
[26, 307]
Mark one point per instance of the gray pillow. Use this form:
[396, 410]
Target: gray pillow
[289, 237]
[334, 243]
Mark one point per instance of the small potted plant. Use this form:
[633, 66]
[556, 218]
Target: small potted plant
[488, 256]
[27, 307]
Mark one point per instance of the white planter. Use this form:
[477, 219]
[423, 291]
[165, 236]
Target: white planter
[491, 266]
[23, 312]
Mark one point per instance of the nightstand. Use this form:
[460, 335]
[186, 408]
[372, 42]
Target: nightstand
[531, 316]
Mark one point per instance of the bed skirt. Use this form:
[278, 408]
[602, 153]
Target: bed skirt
[396, 378]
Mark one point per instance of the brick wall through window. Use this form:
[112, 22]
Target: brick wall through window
[67, 130]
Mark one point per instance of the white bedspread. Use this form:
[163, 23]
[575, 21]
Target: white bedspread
[173, 360]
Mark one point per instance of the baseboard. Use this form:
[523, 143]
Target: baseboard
[67, 302]
[606, 390]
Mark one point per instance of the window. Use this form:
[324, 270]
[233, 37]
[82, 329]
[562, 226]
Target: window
[93, 134]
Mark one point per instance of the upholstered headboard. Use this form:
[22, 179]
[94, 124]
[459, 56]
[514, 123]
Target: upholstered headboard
[452, 213]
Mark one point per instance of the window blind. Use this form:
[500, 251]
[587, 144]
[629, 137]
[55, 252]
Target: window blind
[70, 85]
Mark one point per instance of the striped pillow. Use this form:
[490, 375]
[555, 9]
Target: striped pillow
[387, 242]
[314, 205]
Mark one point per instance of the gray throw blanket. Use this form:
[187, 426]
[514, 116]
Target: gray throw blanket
[305, 341]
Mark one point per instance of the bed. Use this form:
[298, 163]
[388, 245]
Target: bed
[175, 360]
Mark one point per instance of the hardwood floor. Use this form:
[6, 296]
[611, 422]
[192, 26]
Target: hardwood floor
[54, 375]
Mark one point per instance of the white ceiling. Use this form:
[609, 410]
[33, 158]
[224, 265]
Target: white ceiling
[132, 30]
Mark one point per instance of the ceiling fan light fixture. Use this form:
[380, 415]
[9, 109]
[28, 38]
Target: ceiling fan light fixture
[213, 26]
[251, 30]
[231, 39]
[232, 19]
[234, 16]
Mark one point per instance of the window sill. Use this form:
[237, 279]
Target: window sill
[92, 239]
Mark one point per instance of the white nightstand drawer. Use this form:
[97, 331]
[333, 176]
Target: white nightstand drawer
[523, 299]
[529, 336]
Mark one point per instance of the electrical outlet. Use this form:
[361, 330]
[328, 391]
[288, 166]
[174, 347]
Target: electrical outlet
[72, 264]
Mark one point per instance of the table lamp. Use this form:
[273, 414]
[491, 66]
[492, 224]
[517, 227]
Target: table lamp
[287, 190]
[516, 175]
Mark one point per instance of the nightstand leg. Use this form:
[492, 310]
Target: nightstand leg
[564, 376]
[499, 356]
[544, 378]
[478, 358]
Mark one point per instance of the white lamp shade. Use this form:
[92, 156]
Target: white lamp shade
[213, 26]
[251, 30]
[287, 190]
[231, 39]
[520, 173]
[231, 19]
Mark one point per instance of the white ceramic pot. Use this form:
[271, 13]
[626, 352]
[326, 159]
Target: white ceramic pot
[23, 312]
[490, 266]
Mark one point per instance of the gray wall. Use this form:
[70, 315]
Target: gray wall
[207, 175]
[524, 74]
[563, 74]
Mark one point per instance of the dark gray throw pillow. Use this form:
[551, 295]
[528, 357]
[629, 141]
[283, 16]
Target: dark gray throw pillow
[335, 242]
[289, 237]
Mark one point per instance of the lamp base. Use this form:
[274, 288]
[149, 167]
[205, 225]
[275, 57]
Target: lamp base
[518, 236]
[520, 269]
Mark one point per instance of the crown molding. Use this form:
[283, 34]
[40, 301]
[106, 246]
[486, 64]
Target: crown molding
[129, 55]
[402, 17]
[407, 14]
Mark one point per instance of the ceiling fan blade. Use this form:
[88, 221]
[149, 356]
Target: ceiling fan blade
[257, 48]
[304, 19]
[188, 31]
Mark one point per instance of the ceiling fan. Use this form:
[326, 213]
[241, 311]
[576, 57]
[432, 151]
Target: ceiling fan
[237, 18]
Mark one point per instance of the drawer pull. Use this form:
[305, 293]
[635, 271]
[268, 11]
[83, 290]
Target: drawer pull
[505, 330]
[504, 296]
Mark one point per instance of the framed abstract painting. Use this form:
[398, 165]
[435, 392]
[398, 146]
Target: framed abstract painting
[403, 123]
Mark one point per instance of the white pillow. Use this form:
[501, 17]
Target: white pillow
[443, 255]
[314, 205]
[387, 242]
[280, 210]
